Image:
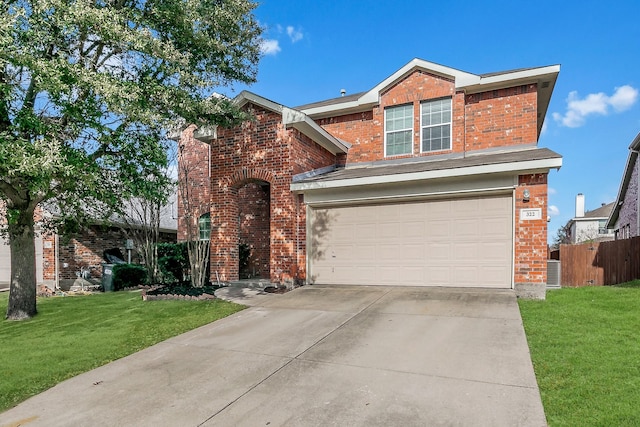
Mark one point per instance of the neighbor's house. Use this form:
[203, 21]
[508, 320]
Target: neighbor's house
[590, 226]
[624, 219]
[59, 261]
[431, 178]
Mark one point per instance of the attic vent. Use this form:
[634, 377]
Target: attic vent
[544, 85]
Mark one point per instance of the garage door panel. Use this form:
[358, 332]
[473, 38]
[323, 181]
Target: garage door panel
[365, 231]
[437, 252]
[466, 229]
[466, 253]
[456, 242]
[438, 229]
[497, 251]
[413, 253]
[438, 276]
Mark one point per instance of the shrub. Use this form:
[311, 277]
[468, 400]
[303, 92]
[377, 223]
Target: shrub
[128, 275]
[173, 262]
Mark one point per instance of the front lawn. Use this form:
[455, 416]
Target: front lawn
[72, 335]
[585, 347]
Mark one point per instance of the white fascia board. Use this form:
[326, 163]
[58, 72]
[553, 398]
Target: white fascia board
[372, 97]
[448, 72]
[530, 166]
[477, 83]
[344, 108]
[245, 96]
[303, 123]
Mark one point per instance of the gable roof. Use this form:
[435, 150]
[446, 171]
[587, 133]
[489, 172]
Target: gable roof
[602, 212]
[297, 120]
[544, 77]
[626, 179]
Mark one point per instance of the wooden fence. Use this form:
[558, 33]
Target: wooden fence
[604, 263]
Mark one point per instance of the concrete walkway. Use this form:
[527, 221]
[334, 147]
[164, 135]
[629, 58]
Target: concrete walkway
[317, 356]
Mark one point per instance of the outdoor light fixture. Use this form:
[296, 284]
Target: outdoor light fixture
[525, 195]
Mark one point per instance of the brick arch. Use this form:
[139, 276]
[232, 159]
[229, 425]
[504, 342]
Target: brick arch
[244, 175]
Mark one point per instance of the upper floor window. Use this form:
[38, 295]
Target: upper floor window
[204, 226]
[436, 125]
[398, 130]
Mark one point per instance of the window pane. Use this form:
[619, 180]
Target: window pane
[204, 226]
[436, 125]
[399, 130]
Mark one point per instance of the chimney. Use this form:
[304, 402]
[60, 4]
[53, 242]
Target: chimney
[579, 205]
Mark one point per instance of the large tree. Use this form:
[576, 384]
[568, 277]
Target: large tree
[87, 88]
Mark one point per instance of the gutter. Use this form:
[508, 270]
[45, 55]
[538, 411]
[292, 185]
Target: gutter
[531, 165]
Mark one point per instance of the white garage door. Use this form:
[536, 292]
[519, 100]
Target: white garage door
[455, 242]
[5, 262]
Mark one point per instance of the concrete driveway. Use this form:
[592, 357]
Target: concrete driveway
[319, 356]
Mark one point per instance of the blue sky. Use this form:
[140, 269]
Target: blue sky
[313, 49]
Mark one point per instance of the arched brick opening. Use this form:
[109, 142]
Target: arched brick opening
[254, 228]
[242, 209]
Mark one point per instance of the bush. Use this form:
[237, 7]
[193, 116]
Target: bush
[173, 262]
[128, 275]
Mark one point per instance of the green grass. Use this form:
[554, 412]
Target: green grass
[585, 348]
[72, 335]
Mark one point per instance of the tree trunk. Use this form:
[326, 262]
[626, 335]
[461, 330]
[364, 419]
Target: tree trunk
[22, 293]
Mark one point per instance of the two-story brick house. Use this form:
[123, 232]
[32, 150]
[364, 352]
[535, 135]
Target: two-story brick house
[431, 178]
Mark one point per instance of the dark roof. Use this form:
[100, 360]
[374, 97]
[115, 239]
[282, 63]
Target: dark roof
[355, 96]
[602, 212]
[515, 70]
[430, 164]
[332, 101]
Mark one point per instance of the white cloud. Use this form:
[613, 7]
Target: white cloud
[623, 98]
[595, 103]
[294, 35]
[270, 47]
[551, 190]
[553, 210]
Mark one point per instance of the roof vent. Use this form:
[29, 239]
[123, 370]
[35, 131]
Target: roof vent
[544, 85]
[343, 92]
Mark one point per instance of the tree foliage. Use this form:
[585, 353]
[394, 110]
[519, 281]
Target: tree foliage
[87, 89]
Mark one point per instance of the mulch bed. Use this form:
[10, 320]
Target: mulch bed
[178, 292]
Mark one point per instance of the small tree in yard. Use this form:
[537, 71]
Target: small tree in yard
[87, 89]
[141, 220]
[192, 209]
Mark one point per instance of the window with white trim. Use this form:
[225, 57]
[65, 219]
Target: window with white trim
[398, 130]
[204, 226]
[435, 125]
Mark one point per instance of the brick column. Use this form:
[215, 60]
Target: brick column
[530, 275]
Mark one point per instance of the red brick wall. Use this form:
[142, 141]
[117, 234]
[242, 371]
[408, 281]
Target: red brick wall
[194, 184]
[260, 150]
[531, 235]
[254, 208]
[503, 117]
[86, 250]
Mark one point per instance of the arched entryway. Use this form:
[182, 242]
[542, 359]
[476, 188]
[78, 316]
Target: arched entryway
[254, 219]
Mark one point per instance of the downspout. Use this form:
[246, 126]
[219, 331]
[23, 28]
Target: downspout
[56, 257]
[636, 152]
[464, 137]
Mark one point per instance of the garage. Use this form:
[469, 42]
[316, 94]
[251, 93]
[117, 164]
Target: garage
[5, 262]
[465, 242]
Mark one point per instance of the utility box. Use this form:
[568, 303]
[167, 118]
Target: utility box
[107, 277]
